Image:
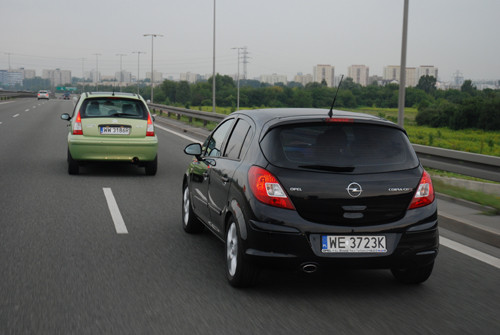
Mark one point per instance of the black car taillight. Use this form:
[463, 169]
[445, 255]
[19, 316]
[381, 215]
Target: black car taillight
[267, 189]
[425, 192]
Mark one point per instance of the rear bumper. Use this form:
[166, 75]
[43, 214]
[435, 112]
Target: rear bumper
[112, 149]
[272, 245]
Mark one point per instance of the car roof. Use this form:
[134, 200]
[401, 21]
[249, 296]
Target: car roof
[273, 116]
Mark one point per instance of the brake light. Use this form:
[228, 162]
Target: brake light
[267, 189]
[339, 119]
[150, 130]
[425, 192]
[77, 125]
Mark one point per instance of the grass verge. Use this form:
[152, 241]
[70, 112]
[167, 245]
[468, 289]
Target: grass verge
[469, 195]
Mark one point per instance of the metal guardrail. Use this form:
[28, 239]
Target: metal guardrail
[466, 163]
[191, 114]
[16, 94]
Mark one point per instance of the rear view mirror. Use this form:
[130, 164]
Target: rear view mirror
[193, 149]
[66, 117]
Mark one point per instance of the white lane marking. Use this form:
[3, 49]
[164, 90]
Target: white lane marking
[115, 212]
[0, 122]
[27, 110]
[16, 115]
[178, 134]
[488, 259]
[6, 102]
[481, 256]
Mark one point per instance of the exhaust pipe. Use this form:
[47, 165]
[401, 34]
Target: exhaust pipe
[309, 267]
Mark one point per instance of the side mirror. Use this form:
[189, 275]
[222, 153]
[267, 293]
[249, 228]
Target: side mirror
[193, 149]
[66, 117]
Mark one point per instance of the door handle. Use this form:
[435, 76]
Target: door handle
[224, 179]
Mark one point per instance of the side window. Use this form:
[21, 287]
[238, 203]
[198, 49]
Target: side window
[246, 143]
[213, 145]
[236, 140]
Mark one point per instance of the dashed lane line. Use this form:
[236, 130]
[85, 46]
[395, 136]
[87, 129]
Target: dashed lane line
[485, 258]
[178, 134]
[115, 211]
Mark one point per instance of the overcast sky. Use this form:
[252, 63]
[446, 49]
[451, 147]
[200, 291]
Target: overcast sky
[282, 36]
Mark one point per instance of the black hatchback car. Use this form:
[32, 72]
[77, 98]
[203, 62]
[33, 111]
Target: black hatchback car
[300, 189]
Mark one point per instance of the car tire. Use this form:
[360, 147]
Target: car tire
[240, 273]
[73, 167]
[413, 274]
[151, 167]
[190, 222]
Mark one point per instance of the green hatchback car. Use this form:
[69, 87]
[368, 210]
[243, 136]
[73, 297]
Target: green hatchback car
[111, 127]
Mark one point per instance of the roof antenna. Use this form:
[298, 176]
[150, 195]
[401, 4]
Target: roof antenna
[330, 113]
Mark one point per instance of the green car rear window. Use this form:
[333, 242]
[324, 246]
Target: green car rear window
[113, 107]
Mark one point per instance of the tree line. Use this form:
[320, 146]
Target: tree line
[461, 108]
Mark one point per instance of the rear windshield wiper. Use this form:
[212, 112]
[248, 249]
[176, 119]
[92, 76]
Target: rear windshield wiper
[328, 168]
[123, 114]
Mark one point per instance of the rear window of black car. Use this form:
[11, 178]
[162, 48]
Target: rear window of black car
[113, 107]
[339, 147]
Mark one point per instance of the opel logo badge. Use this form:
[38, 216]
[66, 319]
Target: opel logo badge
[354, 190]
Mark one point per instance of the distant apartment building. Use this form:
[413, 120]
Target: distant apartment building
[123, 77]
[273, 79]
[57, 77]
[303, 79]
[28, 74]
[158, 76]
[375, 80]
[11, 77]
[427, 70]
[359, 74]
[324, 72]
[91, 75]
[191, 78]
[392, 73]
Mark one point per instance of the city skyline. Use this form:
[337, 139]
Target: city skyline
[283, 37]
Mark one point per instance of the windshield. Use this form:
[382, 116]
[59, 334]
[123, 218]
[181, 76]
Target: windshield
[339, 147]
[113, 107]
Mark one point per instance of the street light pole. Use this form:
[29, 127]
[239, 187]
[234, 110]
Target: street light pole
[138, 54]
[213, 73]
[238, 80]
[152, 75]
[97, 72]
[83, 74]
[8, 54]
[402, 68]
[121, 71]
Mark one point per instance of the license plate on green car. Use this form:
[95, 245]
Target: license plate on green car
[114, 130]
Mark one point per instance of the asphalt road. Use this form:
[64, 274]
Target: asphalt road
[66, 270]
